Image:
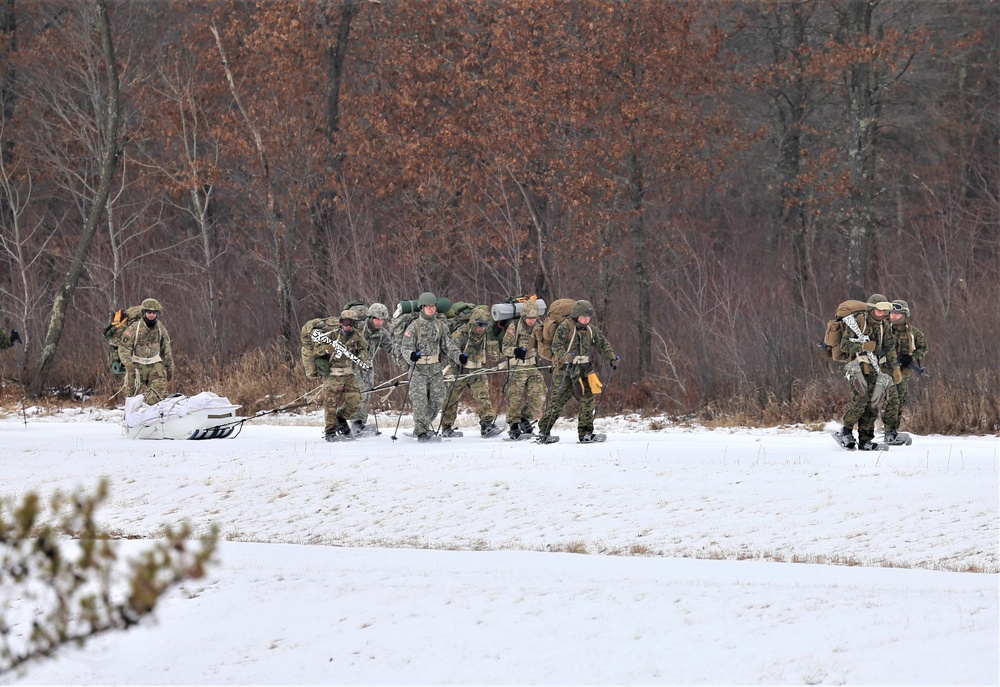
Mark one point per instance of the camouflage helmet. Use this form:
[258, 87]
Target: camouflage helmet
[378, 311]
[877, 301]
[529, 310]
[348, 316]
[358, 307]
[901, 306]
[582, 309]
[427, 298]
[152, 304]
[480, 314]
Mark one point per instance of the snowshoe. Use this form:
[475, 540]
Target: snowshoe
[427, 437]
[490, 429]
[520, 437]
[526, 427]
[451, 433]
[845, 439]
[897, 438]
[873, 446]
[360, 429]
[546, 438]
[334, 437]
[591, 438]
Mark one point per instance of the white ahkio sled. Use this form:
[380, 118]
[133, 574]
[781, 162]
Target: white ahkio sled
[203, 416]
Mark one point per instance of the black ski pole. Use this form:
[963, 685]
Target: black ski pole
[402, 407]
[447, 400]
[552, 379]
[611, 376]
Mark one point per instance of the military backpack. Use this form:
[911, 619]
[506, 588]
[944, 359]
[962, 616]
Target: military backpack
[835, 328]
[113, 332]
[558, 311]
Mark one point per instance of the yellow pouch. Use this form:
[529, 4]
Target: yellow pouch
[592, 381]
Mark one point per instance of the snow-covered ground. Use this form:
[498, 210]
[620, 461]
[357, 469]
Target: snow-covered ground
[673, 555]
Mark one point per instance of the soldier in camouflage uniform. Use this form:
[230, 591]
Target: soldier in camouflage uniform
[526, 387]
[144, 350]
[911, 347]
[574, 341]
[322, 357]
[378, 338]
[471, 342]
[426, 342]
[863, 407]
[8, 340]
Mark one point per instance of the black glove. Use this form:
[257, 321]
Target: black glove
[904, 360]
[614, 363]
[463, 359]
[520, 353]
[14, 336]
[415, 356]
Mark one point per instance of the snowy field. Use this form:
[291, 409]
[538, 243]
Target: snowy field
[664, 556]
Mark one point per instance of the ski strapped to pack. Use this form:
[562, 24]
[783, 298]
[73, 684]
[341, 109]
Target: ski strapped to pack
[339, 347]
[861, 338]
[882, 380]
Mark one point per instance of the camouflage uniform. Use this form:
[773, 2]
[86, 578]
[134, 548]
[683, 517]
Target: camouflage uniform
[378, 338]
[472, 342]
[427, 335]
[341, 394]
[879, 332]
[526, 387]
[144, 350]
[7, 340]
[911, 346]
[571, 349]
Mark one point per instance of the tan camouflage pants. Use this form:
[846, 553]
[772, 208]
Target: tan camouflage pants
[479, 389]
[341, 397]
[426, 393]
[525, 396]
[562, 392]
[150, 381]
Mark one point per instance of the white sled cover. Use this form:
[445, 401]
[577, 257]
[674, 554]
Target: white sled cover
[203, 416]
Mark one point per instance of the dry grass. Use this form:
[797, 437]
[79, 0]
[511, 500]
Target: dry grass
[265, 379]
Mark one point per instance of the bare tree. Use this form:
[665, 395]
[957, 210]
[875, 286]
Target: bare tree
[109, 164]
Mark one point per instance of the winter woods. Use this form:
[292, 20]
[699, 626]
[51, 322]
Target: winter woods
[714, 177]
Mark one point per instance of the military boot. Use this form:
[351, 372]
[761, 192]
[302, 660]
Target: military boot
[342, 427]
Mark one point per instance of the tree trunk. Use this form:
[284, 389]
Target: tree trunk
[644, 321]
[862, 119]
[336, 54]
[792, 99]
[109, 164]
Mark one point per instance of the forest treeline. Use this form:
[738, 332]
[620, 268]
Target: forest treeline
[715, 177]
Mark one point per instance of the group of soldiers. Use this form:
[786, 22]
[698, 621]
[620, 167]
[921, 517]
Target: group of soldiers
[882, 349]
[444, 361]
